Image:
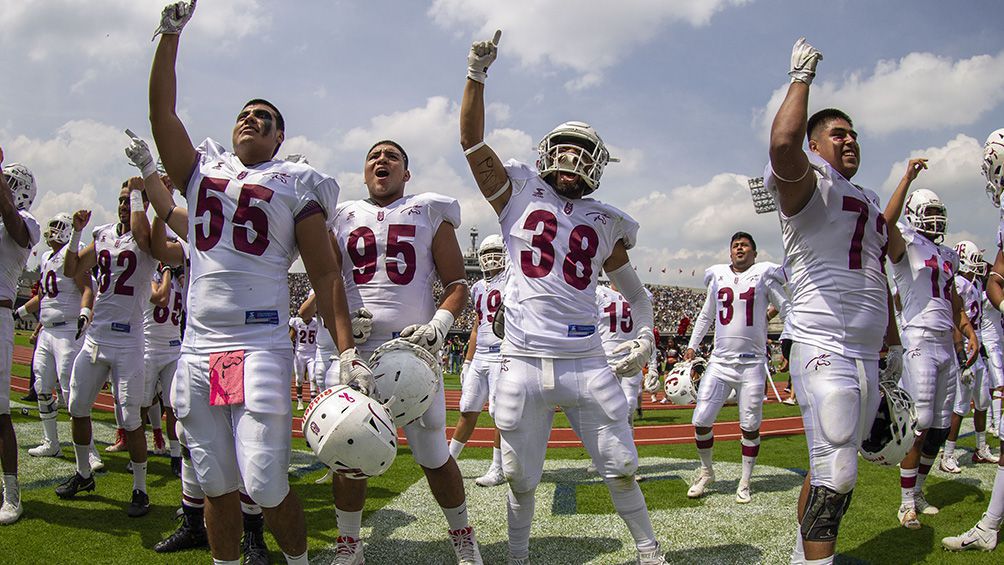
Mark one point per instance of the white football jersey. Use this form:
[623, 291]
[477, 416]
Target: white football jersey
[386, 260]
[306, 336]
[486, 296]
[123, 287]
[971, 294]
[990, 322]
[737, 302]
[556, 247]
[162, 324]
[924, 279]
[60, 297]
[13, 257]
[835, 249]
[242, 242]
[615, 323]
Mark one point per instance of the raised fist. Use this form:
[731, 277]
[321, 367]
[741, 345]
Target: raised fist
[803, 61]
[482, 55]
[174, 17]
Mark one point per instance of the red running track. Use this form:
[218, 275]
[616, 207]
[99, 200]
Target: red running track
[560, 437]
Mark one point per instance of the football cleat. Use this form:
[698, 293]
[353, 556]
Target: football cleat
[120, 442]
[702, 480]
[46, 449]
[922, 506]
[10, 512]
[984, 455]
[790, 401]
[191, 533]
[94, 460]
[159, 448]
[976, 538]
[493, 478]
[348, 551]
[949, 464]
[465, 546]
[299, 405]
[140, 504]
[75, 484]
[253, 543]
[908, 517]
[743, 495]
[652, 557]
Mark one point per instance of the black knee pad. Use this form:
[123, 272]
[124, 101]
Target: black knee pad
[823, 512]
[933, 441]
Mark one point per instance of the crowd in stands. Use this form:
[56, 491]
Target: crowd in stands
[671, 303]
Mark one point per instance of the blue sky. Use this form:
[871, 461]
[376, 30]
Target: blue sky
[683, 92]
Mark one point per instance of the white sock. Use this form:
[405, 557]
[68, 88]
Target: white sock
[750, 450]
[949, 449]
[11, 490]
[298, 560]
[519, 510]
[497, 457]
[175, 447]
[82, 452]
[823, 561]
[456, 447]
[349, 523]
[995, 408]
[456, 517]
[798, 553]
[50, 431]
[630, 505]
[226, 561]
[923, 471]
[705, 445]
[139, 476]
[981, 440]
[995, 510]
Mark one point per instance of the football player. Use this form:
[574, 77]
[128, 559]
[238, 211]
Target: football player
[972, 386]
[616, 326]
[931, 312]
[249, 215]
[113, 345]
[991, 336]
[393, 246]
[18, 234]
[60, 304]
[303, 333]
[483, 360]
[736, 303]
[162, 345]
[983, 535]
[835, 242]
[558, 241]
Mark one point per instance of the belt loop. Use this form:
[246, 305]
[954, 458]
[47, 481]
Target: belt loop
[547, 373]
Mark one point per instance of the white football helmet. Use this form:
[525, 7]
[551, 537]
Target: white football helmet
[927, 214]
[574, 147]
[680, 389]
[59, 228]
[492, 254]
[351, 433]
[22, 185]
[892, 434]
[406, 378]
[993, 165]
[970, 258]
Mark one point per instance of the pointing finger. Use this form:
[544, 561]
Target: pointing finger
[498, 36]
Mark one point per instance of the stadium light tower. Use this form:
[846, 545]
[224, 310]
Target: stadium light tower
[474, 240]
[763, 202]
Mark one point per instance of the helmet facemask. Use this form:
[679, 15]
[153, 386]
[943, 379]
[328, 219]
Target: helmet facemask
[573, 147]
[59, 229]
[927, 214]
[993, 170]
[971, 259]
[492, 255]
[22, 185]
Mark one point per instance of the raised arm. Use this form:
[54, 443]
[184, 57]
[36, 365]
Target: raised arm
[795, 180]
[894, 208]
[167, 252]
[139, 223]
[485, 164]
[160, 292]
[12, 220]
[175, 147]
[77, 263]
[158, 189]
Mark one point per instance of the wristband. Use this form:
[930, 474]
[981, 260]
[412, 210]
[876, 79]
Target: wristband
[22, 312]
[476, 75]
[149, 169]
[87, 312]
[75, 241]
[444, 317]
[167, 218]
[136, 201]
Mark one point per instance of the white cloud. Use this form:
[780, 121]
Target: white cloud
[586, 36]
[920, 92]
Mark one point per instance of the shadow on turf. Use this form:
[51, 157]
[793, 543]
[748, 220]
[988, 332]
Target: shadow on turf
[913, 546]
[737, 553]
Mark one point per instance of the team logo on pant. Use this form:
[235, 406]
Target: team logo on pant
[914, 353]
[820, 361]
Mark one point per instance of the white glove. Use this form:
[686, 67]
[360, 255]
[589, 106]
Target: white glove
[139, 153]
[967, 376]
[463, 370]
[174, 17]
[432, 334]
[638, 353]
[362, 325]
[354, 372]
[893, 365]
[803, 61]
[83, 321]
[482, 55]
